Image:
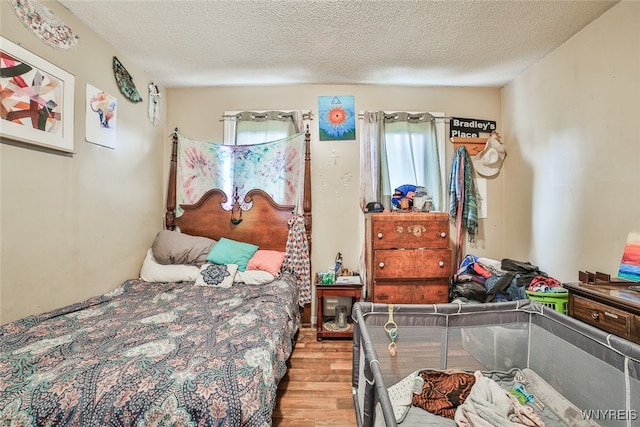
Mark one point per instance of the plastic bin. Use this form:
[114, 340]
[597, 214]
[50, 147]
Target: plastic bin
[557, 301]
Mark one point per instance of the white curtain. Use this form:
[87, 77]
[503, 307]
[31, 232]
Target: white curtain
[412, 153]
[372, 136]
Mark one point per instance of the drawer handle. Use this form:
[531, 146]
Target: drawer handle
[381, 264]
[614, 316]
[379, 235]
[595, 315]
[441, 264]
[443, 234]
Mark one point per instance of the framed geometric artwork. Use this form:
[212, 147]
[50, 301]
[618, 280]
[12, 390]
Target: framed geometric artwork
[337, 118]
[37, 99]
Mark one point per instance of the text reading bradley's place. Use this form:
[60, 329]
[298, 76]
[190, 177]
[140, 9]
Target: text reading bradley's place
[470, 128]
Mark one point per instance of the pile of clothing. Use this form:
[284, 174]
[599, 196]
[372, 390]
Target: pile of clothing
[488, 280]
[458, 398]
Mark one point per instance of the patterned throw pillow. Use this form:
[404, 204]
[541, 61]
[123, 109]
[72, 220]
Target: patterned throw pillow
[217, 275]
[444, 391]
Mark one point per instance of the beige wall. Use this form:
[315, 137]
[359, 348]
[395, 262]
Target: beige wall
[572, 175]
[75, 226]
[337, 219]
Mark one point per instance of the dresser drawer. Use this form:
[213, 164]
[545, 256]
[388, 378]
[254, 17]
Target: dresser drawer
[411, 263]
[607, 318]
[409, 231]
[408, 257]
[411, 291]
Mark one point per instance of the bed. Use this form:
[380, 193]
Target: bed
[578, 375]
[206, 347]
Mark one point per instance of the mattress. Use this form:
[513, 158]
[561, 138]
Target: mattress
[152, 353]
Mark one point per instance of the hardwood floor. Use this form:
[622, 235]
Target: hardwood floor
[316, 390]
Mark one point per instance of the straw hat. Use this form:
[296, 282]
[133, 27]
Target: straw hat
[488, 161]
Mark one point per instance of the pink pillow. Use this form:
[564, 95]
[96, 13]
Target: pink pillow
[269, 261]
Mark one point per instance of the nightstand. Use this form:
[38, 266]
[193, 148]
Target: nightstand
[353, 291]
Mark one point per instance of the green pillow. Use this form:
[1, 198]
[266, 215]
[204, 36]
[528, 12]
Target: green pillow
[228, 251]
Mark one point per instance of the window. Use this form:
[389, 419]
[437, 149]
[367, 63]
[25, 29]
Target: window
[400, 148]
[255, 127]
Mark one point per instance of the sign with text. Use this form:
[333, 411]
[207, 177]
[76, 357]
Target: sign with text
[470, 128]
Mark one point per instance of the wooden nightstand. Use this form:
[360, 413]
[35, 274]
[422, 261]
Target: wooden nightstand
[353, 291]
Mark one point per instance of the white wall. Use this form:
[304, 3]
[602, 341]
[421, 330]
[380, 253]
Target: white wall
[75, 226]
[572, 175]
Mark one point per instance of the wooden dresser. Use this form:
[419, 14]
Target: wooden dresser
[408, 257]
[609, 305]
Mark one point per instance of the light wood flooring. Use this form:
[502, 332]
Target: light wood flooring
[316, 390]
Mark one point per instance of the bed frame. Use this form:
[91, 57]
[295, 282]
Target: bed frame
[142, 335]
[265, 224]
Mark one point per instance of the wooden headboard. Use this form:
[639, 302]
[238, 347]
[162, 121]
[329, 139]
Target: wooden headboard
[264, 224]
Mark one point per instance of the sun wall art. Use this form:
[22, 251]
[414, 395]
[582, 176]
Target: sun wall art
[337, 118]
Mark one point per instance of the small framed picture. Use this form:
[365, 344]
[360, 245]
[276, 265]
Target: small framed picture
[337, 118]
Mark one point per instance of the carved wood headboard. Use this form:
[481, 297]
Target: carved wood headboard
[264, 224]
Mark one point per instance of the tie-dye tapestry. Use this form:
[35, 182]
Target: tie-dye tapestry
[276, 167]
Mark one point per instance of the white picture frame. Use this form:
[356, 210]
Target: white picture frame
[38, 99]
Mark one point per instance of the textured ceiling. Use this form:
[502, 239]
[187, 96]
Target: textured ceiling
[184, 43]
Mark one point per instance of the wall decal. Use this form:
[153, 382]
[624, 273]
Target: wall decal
[44, 24]
[125, 82]
[154, 104]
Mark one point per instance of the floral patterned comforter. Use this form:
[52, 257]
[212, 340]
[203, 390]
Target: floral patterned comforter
[151, 354]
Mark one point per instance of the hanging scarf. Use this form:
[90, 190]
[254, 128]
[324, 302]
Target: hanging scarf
[297, 260]
[463, 205]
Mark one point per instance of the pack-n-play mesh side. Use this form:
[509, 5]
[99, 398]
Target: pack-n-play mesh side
[598, 373]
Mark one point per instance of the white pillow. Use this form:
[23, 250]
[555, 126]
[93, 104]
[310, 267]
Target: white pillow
[152, 271]
[216, 275]
[253, 277]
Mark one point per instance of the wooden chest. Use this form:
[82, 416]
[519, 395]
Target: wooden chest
[408, 257]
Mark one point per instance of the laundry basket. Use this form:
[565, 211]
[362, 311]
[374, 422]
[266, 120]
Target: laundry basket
[555, 300]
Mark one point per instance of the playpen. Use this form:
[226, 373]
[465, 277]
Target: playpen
[581, 375]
